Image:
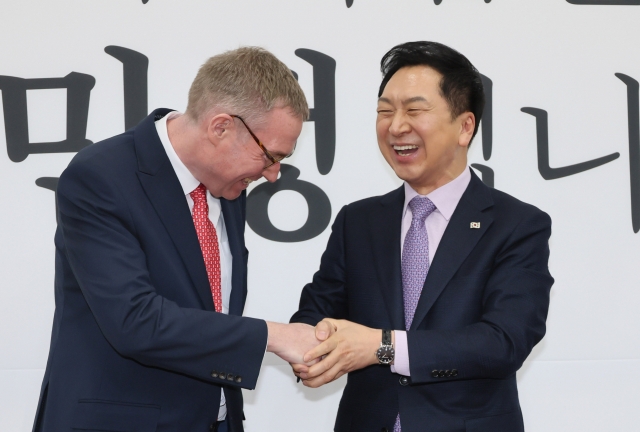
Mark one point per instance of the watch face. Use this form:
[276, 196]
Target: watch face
[385, 354]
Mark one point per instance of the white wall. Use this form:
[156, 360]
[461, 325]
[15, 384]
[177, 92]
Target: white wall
[545, 54]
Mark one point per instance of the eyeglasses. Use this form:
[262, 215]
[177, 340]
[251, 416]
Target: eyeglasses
[273, 159]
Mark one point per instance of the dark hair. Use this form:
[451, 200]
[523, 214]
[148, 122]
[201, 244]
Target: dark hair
[461, 84]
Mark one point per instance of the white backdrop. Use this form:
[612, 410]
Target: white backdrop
[545, 54]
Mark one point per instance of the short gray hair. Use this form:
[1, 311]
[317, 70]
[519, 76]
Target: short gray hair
[248, 82]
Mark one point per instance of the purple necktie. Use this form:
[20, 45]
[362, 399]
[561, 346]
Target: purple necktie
[415, 262]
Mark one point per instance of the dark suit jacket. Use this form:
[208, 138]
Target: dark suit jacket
[136, 345]
[482, 309]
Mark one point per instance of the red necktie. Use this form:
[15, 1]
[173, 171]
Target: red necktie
[208, 243]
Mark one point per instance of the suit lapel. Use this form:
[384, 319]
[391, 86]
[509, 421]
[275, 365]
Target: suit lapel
[386, 225]
[163, 189]
[458, 241]
[232, 211]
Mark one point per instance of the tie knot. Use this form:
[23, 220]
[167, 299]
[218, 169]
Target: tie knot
[421, 207]
[199, 194]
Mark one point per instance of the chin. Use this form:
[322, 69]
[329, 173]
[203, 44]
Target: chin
[404, 173]
[234, 192]
[230, 196]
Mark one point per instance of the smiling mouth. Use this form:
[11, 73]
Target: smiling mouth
[405, 150]
[247, 181]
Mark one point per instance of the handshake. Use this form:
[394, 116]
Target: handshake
[323, 354]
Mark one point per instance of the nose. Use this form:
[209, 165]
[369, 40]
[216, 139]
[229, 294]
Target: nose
[271, 173]
[399, 124]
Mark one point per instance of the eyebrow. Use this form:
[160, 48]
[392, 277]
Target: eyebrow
[280, 154]
[414, 99]
[406, 101]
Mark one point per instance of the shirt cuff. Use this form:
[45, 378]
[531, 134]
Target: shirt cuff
[401, 361]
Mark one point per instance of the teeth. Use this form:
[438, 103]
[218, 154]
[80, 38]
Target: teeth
[404, 147]
[247, 181]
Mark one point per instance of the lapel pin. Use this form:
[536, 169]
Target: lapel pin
[475, 225]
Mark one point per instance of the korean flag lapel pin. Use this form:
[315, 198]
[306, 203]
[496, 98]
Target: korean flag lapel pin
[475, 225]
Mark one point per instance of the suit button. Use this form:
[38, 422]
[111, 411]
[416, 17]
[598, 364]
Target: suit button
[434, 373]
[238, 379]
[454, 372]
[441, 374]
[230, 377]
[214, 374]
[447, 373]
[212, 427]
[222, 375]
[404, 381]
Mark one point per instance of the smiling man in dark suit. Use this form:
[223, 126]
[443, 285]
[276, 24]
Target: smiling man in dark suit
[438, 291]
[151, 264]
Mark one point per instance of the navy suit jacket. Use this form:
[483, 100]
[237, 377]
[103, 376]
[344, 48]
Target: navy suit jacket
[482, 309]
[136, 344]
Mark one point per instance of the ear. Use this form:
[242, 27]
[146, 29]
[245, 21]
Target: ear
[220, 127]
[467, 123]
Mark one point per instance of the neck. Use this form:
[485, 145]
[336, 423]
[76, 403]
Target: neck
[185, 138]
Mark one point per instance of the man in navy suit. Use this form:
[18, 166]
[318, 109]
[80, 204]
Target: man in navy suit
[438, 291]
[151, 264]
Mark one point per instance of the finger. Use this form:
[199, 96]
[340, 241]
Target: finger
[314, 361]
[324, 348]
[297, 368]
[321, 367]
[330, 375]
[334, 323]
[324, 329]
[327, 378]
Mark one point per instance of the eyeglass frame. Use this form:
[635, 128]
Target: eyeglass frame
[274, 160]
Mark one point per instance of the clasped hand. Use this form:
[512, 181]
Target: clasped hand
[345, 347]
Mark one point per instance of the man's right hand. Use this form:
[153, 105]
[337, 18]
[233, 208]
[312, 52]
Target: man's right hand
[350, 347]
[291, 341]
[323, 331]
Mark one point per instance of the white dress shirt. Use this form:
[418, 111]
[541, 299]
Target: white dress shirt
[446, 199]
[189, 183]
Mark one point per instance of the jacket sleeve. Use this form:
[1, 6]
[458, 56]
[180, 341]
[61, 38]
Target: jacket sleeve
[326, 295]
[110, 267]
[515, 303]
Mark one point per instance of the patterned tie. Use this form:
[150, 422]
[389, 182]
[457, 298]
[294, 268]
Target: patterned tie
[208, 243]
[415, 262]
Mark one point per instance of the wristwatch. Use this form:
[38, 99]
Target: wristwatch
[386, 352]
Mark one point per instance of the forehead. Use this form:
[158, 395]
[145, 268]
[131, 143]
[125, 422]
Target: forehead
[280, 131]
[413, 81]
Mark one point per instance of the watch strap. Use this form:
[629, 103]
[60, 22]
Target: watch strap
[386, 337]
[386, 352]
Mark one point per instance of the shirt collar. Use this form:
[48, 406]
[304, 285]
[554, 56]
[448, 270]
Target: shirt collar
[186, 179]
[445, 198]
